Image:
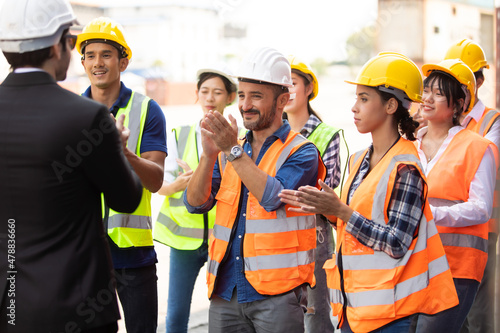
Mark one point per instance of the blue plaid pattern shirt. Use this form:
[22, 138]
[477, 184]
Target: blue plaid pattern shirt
[331, 157]
[404, 212]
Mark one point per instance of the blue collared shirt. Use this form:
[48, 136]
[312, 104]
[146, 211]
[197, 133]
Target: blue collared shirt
[154, 138]
[299, 170]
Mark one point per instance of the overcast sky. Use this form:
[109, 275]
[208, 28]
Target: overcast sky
[311, 28]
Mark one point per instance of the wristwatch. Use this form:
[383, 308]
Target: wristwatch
[236, 152]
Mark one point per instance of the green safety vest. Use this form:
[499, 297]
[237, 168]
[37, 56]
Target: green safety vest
[321, 136]
[135, 229]
[175, 226]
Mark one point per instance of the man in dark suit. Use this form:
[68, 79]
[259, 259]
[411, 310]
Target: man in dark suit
[58, 153]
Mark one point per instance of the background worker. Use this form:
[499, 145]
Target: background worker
[305, 120]
[460, 167]
[385, 233]
[105, 54]
[486, 122]
[260, 254]
[59, 152]
[187, 234]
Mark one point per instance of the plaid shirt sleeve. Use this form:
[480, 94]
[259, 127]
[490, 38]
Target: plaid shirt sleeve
[331, 159]
[405, 211]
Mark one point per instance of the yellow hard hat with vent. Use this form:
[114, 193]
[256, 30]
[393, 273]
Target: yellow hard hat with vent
[298, 64]
[461, 72]
[470, 53]
[392, 70]
[104, 30]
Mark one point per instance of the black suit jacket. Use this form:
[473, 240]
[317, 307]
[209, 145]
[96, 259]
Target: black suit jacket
[58, 153]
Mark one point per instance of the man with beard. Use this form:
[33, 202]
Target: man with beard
[261, 255]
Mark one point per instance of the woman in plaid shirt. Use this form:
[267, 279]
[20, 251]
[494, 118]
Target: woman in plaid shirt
[384, 219]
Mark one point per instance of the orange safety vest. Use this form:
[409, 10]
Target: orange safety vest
[482, 128]
[279, 246]
[449, 182]
[378, 288]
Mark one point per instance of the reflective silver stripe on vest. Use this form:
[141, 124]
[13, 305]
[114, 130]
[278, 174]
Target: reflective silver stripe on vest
[281, 224]
[222, 233]
[378, 208]
[380, 260]
[176, 202]
[486, 119]
[462, 240]
[177, 229]
[134, 122]
[182, 140]
[129, 221]
[389, 296]
[286, 151]
[277, 261]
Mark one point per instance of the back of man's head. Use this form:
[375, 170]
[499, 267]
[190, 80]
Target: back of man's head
[28, 28]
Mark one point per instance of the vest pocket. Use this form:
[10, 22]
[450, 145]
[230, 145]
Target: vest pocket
[226, 199]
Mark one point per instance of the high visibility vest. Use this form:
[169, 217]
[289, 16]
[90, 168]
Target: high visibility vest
[321, 136]
[175, 226]
[449, 182]
[379, 289]
[279, 246]
[482, 128]
[135, 229]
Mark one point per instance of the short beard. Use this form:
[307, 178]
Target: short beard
[263, 122]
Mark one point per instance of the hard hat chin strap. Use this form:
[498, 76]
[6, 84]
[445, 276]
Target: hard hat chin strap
[399, 94]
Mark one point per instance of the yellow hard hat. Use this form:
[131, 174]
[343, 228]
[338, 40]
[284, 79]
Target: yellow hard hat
[469, 52]
[460, 71]
[392, 70]
[300, 65]
[104, 30]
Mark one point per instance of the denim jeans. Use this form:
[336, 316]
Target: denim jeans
[450, 320]
[185, 266]
[318, 315]
[398, 326]
[138, 293]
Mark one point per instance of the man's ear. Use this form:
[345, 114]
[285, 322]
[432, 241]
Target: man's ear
[479, 82]
[123, 64]
[55, 51]
[282, 100]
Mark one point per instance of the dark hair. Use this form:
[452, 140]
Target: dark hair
[450, 88]
[406, 124]
[34, 58]
[479, 75]
[230, 87]
[307, 80]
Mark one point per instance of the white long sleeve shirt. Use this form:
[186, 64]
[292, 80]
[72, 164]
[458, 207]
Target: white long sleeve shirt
[171, 168]
[477, 209]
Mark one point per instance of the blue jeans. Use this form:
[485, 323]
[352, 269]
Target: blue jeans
[184, 268]
[137, 289]
[398, 326]
[451, 320]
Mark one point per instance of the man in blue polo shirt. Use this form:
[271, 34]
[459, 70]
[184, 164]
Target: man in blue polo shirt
[105, 54]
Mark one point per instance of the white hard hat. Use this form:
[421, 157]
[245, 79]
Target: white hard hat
[220, 69]
[30, 25]
[266, 65]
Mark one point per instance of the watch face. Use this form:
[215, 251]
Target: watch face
[236, 151]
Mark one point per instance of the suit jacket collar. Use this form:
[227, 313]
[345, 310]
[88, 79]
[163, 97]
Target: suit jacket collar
[30, 78]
